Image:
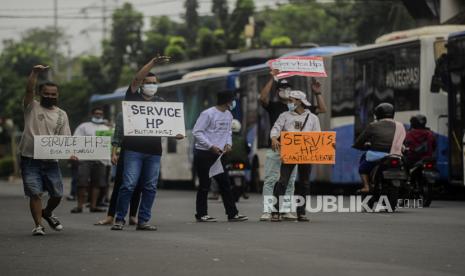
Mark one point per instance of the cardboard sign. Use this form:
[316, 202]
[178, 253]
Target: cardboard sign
[63, 147]
[308, 147]
[153, 119]
[301, 66]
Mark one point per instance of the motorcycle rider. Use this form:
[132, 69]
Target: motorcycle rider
[385, 136]
[420, 140]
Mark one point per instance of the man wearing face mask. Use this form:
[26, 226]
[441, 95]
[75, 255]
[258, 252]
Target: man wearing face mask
[273, 159]
[91, 172]
[213, 137]
[142, 154]
[42, 118]
[298, 118]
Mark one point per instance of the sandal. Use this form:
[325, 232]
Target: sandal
[117, 226]
[146, 227]
[104, 222]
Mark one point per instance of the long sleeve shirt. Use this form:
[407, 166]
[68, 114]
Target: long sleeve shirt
[213, 128]
[293, 122]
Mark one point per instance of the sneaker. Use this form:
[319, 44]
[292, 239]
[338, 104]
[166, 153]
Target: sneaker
[238, 218]
[71, 198]
[76, 210]
[265, 217]
[275, 217]
[146, 227]
[38, 231]
[119, 225]
[206, 218]
[288, 217]
[53, 222]
[303, 218]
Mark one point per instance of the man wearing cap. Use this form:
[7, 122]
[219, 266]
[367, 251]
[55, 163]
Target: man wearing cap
[297, 119]
[273, 159]
[213, 138]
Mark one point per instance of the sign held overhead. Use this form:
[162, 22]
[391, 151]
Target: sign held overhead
[298, 66]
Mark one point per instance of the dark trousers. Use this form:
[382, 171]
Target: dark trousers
[74, 178]
[204, 160]
[135, 200]
[302, 187]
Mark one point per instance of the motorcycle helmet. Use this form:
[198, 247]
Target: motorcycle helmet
[384, 111]
[418, 121]
[236, 126]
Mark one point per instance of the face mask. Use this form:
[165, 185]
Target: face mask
[284, 93]
[233, 105]
[96, 120]
[291, 106]
[150, 89]
[48, 102]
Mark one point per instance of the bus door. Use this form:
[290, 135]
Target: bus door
[456, 93]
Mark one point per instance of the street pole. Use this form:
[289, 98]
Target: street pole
[55, 46]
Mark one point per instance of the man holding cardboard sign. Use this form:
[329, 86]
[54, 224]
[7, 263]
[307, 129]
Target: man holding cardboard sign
[297, 119]
[42, 118]
[142, 154]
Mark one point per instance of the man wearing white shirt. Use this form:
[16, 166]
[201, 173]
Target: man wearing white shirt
[91, 172]
[213, 137]
[297, 119]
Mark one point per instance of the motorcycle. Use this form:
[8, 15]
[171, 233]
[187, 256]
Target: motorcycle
[422, 176]
[387, 178]
[236, 171]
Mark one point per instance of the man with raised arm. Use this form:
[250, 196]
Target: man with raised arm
[42, 117]
[142, 154]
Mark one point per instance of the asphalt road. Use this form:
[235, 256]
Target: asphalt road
[411, 242]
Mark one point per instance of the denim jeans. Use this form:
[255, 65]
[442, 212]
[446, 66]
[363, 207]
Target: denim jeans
[143, 167]
[40, 176]
[272, 171]
[135, 200]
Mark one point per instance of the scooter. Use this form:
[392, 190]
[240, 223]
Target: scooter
[387, 178]
[236, 171]
[422, 176]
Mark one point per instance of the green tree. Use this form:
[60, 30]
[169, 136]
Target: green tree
[124, 45]
[239, 18]
[191, 18]
[220, 10]
[281, 41]
[209, 43]
[176, 48]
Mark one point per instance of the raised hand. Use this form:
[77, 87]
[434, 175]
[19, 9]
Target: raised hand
[40, 68]
[161, 59]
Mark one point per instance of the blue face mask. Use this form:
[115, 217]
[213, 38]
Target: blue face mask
[233, 105]
[291, 106]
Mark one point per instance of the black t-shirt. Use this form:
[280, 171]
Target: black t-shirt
[142, 144]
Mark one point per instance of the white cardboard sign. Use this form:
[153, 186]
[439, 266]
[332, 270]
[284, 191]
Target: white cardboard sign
[63, 147]
[304, 66]
[153, 118]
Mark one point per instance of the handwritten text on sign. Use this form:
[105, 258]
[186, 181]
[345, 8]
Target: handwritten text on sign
[302, 66]
[153, 118]
[308, 147]
[63, 147]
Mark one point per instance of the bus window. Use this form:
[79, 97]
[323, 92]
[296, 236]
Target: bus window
[343, 87]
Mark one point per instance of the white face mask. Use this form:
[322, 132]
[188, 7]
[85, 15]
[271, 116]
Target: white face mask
[150, 89]
[96, 120]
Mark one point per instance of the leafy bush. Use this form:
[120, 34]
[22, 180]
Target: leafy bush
[6, 166]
